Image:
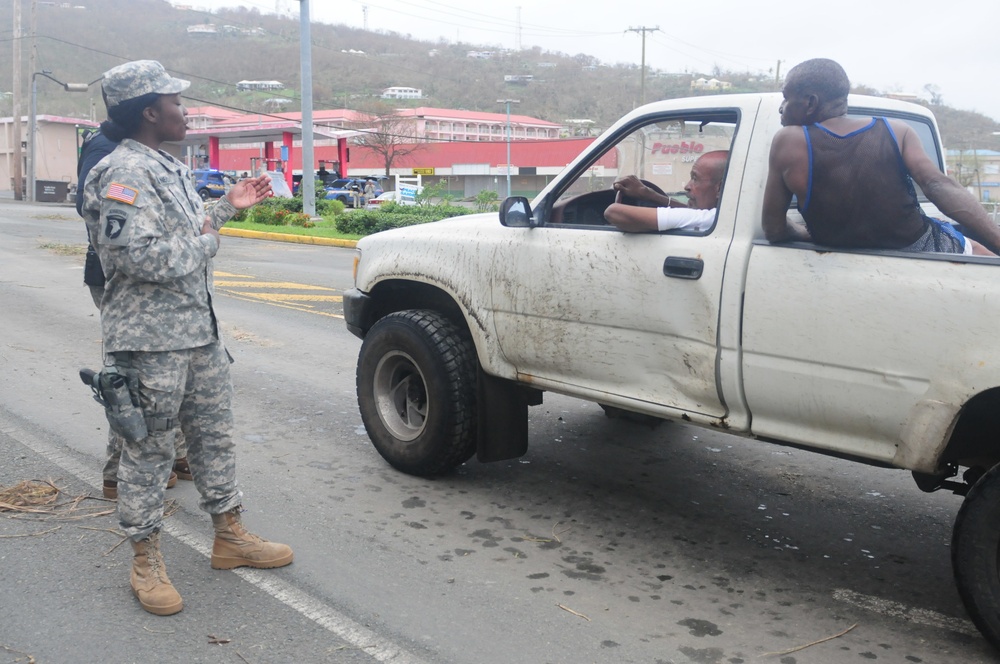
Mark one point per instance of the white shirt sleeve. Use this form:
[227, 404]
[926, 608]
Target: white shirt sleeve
[668, 218]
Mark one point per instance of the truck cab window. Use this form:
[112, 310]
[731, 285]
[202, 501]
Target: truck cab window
[660, 154]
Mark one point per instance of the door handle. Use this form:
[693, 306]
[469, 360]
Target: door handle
[683, 268]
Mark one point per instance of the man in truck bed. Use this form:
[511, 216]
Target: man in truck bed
[853, 177]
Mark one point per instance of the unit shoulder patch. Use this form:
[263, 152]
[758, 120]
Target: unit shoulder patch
[117, 224]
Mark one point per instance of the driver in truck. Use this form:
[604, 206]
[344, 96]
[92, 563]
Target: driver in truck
[853, 177]
[703, 190]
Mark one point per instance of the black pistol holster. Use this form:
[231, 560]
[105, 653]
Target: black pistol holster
[111, 390]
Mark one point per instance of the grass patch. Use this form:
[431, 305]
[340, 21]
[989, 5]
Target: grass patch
[324, 228]
[64, 249]
[56, 217]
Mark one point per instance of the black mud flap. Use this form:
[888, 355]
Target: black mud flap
[502, 419]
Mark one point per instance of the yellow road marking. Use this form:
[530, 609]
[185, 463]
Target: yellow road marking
[285, 306]
[290, 297]
[271, 284]
[284, 300]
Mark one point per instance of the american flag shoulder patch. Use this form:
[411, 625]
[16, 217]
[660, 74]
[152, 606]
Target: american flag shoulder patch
[121, 193]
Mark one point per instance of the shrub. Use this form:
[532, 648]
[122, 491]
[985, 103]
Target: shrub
[276, 211]
[329, 208]
[299, 219]
[393, 215]
[264, 214]
[487, 200]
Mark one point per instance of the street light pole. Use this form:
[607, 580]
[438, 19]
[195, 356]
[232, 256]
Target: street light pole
[33, 122]
[508, 102]
[308, 182]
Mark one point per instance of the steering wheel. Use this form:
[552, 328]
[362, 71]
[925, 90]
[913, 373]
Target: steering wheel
[628, 200]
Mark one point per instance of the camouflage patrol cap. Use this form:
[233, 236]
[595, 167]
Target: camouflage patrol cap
[138, 78]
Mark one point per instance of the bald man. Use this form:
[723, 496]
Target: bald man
[703, 190]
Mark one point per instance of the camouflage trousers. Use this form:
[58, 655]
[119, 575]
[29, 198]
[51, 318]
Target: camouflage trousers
[187, 389]
[114, 452]
[114, 448]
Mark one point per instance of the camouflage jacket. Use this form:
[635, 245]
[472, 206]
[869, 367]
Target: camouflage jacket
[144, 217]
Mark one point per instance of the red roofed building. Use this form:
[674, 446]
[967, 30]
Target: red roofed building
[468, 168]
[468, 149]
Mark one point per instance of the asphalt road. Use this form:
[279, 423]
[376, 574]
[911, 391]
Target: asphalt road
[610, 541]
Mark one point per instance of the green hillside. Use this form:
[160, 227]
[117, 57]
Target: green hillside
[350, 67]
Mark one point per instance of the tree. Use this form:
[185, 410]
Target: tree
[935, 94]
[387, 134]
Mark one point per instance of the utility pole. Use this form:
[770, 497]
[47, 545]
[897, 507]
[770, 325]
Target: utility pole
[305, 56]
[508, 102]
[642, 81]
[777, 75]
[32, 127]
[16, 171]
[517, 39]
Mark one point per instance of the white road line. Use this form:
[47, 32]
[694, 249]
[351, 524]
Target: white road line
[309, 607]
[903, 612]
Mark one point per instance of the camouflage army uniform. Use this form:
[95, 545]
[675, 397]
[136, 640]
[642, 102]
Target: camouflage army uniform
[95, 148]
[144, 217]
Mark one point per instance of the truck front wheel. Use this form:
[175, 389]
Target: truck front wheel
[975, 554]
[416, 383]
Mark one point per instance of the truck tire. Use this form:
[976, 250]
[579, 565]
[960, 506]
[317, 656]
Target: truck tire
[975, 554]
[416, 383]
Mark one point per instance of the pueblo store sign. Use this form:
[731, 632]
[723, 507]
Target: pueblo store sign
[678, 148]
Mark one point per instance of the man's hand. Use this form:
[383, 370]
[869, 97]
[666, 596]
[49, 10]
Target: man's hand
[249, 192]
[631, 186]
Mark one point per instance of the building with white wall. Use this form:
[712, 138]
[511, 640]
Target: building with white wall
[401, 92]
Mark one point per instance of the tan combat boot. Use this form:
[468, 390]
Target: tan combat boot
[149, 578]
[182, 469]
[235, 547]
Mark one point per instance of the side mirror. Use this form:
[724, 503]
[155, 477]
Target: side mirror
[516, 212]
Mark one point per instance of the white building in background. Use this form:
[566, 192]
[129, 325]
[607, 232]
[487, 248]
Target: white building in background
[244, 86]
[703, 83]
[203, 29]
[401, 92]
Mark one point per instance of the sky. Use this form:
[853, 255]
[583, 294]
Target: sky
[952, 45]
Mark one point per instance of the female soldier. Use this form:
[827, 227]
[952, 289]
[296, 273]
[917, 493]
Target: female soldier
[156, 245]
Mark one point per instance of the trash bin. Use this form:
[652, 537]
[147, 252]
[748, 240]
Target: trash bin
[50, 191]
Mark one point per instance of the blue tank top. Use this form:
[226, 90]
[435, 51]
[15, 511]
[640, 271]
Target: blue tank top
[859, 193]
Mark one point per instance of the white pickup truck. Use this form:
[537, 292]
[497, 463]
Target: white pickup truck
[882, 357]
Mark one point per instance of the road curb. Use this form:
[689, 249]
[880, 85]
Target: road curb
[285, 237]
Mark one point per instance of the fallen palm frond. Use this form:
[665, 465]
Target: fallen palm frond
[42, 500]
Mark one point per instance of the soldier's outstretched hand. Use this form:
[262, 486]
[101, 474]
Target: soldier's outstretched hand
[250, 191]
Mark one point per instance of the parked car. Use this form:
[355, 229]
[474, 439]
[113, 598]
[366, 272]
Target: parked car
[210, 184]
[405, 196]
[340, 189]
[380, 200]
